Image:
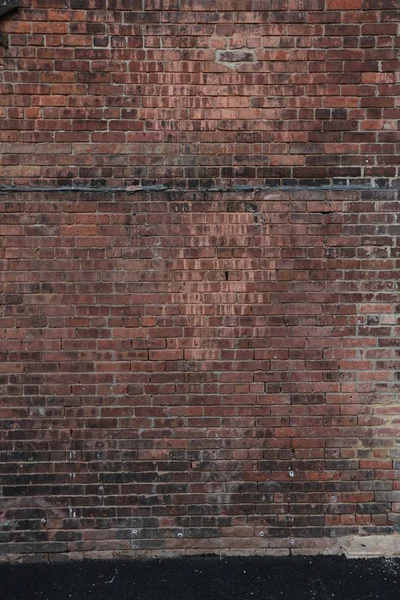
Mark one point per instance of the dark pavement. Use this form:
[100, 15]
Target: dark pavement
[205, 578]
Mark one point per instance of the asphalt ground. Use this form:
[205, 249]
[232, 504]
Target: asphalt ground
[205, 578]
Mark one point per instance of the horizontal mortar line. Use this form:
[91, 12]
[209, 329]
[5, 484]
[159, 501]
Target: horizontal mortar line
[164, 188]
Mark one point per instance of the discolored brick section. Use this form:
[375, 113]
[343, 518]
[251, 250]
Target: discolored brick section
[197, 372]
[197, 94]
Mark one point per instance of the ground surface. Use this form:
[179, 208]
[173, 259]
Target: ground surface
[297, 578]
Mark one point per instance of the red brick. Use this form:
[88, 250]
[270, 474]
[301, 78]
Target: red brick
[344, 4]
[190, 357]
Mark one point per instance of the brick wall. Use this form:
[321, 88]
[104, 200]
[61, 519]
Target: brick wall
[201, 93]
[220, 366]
[213, 368]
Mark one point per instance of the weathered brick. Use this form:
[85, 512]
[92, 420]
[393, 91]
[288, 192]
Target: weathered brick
[214, 351]
[280, 87]
[181, 345]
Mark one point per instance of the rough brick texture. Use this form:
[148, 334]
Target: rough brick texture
[214, 365]
[222, 366]
[201, 93]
